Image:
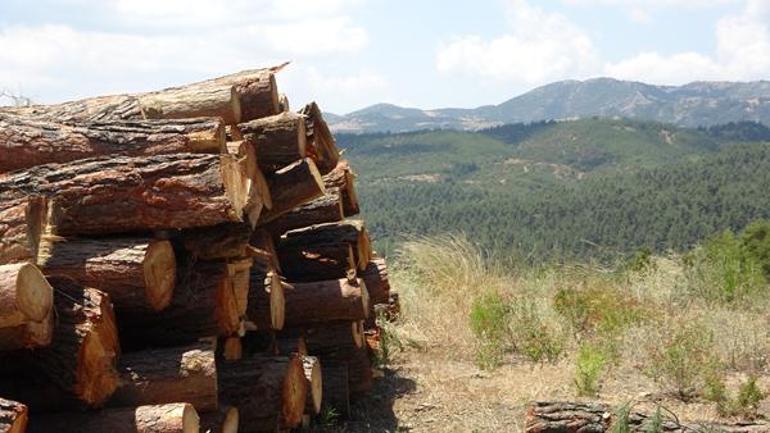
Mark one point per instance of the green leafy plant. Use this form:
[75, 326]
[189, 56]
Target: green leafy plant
[489, 322]
[622, 422]
[590, 364]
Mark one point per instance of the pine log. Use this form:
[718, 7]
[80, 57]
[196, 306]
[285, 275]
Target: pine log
[28, 141]
[28, 335]
[164, 418]
[247, 156]
[320, 139]
[269, 392]
[314, 382]
[336, 341]
[292, 186]
[160, 376]
[123, 194]
[325, 301]
[25, 295]
[266, 303]
[193, 101]
[139, 274]
[561, 417]
[222, 241]
[376, 278]
[256, 89]
[13, 416]
[360, 374]
[336, 388]
[224, 420]
[283, 103]
[278, 140]
[23, 222]
[82, 355]
[204, 304]
[288, 345]
[342, 177]
[232, 348]
[264, 251]
[319, 237]
[324, 209]
[319, 262]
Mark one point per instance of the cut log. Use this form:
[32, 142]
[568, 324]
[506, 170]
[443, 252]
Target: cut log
[333, 340]
[278, 140]
[82, 356]
[320, 139]
[360, 374]
[139, 274]
[204, 304]
[292, 186]
[232, 349]
[342, 177]
[325, 301]
[336, 388]
[266, 304]
[28, 335]
[222, 241]
[247, 155]
[239, 271]
[123, 194]
[314, 378]
[351, 232]
[22, 224]
[28, 141]
[256, 89]
[193, 101]
[561, 417]
[224, 420]
[270, 392]
[325, 209]
[320, 262]
[25, 295]
[264, 250]
[13, 416]
[376, 278]
[160, 376]
[164, 418]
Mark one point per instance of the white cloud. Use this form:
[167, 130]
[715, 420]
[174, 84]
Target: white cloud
[641, 11]
[540, 46]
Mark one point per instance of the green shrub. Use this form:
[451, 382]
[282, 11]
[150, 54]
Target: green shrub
[533, 334]
[749, 397]
[756, 241]
[590, 364]
[489, 322]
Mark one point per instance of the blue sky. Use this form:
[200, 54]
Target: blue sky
[348, 54]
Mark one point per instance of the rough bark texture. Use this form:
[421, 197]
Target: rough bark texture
[13, 416]
[266, 304]
[224, 420]
[264, 249]
[572, 417]
[320, 140]
[139, 273]
[360, 375]
[247, 156]
[351, 232]
[212, 100]
[25, 295]
[23, 221]
[222, 241]
[333, 340]
[278, 140]
[292, 186]
[376, 278]
[325, 301]
[27, 141]
[123, 194]
[336, 387]
[204, 304]
[82, 356]
[314, 378]
[169, 375]
[165, 418]
[269, 393]
[325, 209]
[318, 262]
[342, 177]
[256, 89]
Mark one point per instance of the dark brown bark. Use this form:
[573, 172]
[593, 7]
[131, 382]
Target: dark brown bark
[82, 355]
[222, 241]
[360, 374]
[231, 348]
[342, 177]
[320, 140]
[269, 392]
[573, 417]
[266, 304]
[139, 273]
[336, 341]
[325, 301]
[28, 141]
[291, 344]
[278, 140]
[23, 222]
[159, 376]
[325, 209]
[292, 186]
[165, 418]
[13, 416]
[318, 262]
[263, 250]
[336, 388]
[123, 194]
[224, 420]
[351, 232]
[25, 295]
[314, 383]
[376, 278]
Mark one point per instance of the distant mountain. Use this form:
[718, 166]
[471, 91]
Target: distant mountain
[691, 105]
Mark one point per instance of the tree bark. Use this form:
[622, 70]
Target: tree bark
[256, 89]
[315, 238]
[28, 335]
[82, 356]
[23, 221]
[266, 304]
[224, 420]
[28, 141]
[325, 301]
[124, 194]
[324, 209]
[160, 376]
[292, 186]
[314, 383]
[288, 345]
[342, 177]
[269, 392]
[25, 295]
[13, 416]
[376, 278]
[222, 241]
[336, 388]
[138, 274]
[232, 348]
[212, 100]
[320, 139]
[247, 156]
[336, 341]
[278, 140]
[360, 374]
[163, 418]
[264, 251]
[573, 417]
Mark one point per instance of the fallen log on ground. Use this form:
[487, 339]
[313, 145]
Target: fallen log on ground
[164, 418]
[13, 416]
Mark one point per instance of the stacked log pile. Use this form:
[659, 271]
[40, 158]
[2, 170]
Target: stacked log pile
[180, 261]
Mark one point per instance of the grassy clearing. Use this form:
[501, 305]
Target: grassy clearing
[689, 328]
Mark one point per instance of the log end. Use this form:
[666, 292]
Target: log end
[227, 308]
[314, 381]
[211, 140]
[277, 302]
[159, 274]
[232, 420]
[190, 419]
[97, 376]
[365, 302]
[237, 184]
[34, 296]
[294, 394]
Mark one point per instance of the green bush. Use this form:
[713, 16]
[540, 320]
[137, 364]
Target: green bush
[756, 241]
[590, 364]
[489, 322]
[749, 397]
[533, 334]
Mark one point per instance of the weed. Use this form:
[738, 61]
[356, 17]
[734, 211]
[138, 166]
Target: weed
[534, 335]
[622, 422]
[749, 397]
[589, 366]
[655, 425]
[489, 323]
